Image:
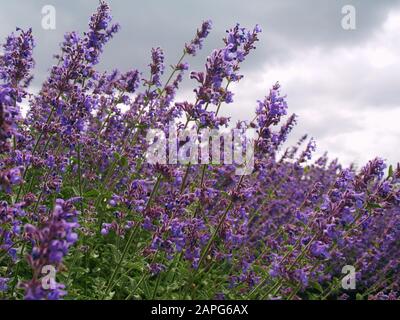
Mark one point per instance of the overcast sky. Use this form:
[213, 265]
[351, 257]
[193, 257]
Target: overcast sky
[343, 84]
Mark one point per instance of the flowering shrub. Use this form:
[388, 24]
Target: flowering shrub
[77, 194]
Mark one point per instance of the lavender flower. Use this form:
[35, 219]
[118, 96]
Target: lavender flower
[51, 242]
[197, 43]
[285, 230]
[3, 284]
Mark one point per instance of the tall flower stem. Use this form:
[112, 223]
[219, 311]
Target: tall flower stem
[38, 139]
[131, 237]
[80, 176]
[221, 221]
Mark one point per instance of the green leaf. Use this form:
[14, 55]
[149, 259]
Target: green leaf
[317, 286]
[359, 296]
[117, 156]
[91, 193]
[373, 205]
[390, 171]
[123, 161]
[76, 191]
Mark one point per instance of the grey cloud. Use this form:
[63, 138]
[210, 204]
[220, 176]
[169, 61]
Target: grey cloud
[289, 25]
[291, 28]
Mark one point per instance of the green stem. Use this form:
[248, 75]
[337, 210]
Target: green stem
[130, 239]
[34, 151]
[80, 176]
[215, 233]
[153, 296]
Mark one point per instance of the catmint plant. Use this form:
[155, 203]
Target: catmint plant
[78, 196]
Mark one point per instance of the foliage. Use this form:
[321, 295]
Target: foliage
[77, 193]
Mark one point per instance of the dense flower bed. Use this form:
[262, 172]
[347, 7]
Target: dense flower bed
[77, 194]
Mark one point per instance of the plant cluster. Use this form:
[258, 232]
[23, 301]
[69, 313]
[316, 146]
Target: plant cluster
[76, 192]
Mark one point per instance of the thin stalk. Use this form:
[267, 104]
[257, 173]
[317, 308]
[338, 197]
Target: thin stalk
[33, 152]
[80, 176]
[130, 239]
[215, 233]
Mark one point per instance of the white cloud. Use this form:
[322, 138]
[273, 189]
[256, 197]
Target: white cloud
[347, 97]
